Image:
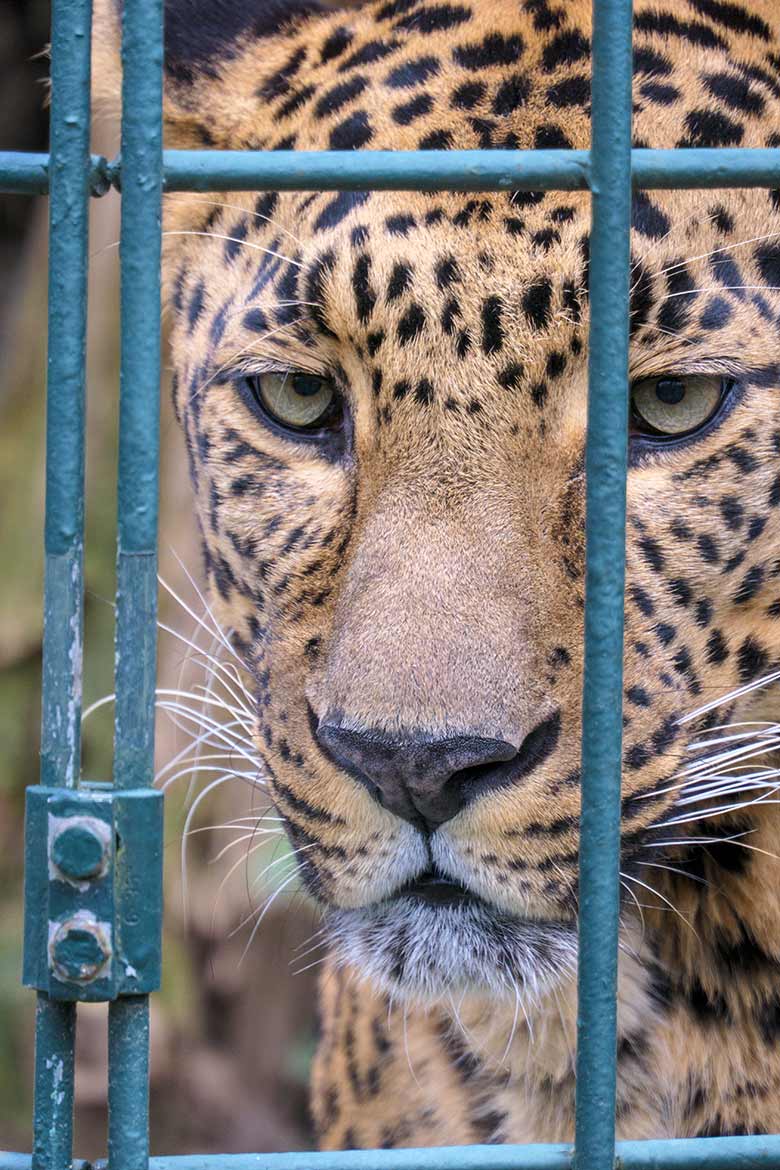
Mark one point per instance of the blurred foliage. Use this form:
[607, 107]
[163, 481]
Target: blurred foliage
[232, 1033]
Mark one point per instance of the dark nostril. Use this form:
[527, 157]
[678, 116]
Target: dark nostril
[419, 779]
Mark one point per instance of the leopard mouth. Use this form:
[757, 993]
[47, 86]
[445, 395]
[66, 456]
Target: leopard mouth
[434, 888]
[433, 936]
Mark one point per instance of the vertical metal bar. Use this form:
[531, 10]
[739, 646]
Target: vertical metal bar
[128, 1083]
[55, 1038]
[69, 194]
[65, 389]
[605, 531]
[139, 392]
[136, 625]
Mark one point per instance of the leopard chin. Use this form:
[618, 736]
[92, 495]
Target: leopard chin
[434, 938]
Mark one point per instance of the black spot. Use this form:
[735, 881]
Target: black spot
[447, 272]
[567, 48]
[400, 390]
[369, 54]
[411, 324]
[424, 392]
[374, 341]
[468, 95]
[556, 364]
[767, 258]
[651, 551]
[278, 83]
[435, 18]
[753, 660]
[339, 208]
[413, 73]
[733, 512]
[336, 44]
[659, 94]
[717, 650]
[407, 113]
[735, 92]
[492, 331]
[667, 25]
[711, 128]
[336, 98]
[495, 49]
[734, 17]
[195, 307]
[572, 91]
[353, 133]
[704, 610]
[649, 61]
[400, 225]
[365, 297]
[296, 100]
[716, 314]
[400, 280]
[449, 316]
[436, 140]
[237, 234]
[511, 95]
[647, 218]
[551, 137]
[708, 548]
[511, 376]
[750, 584]
[681, 591]
[537, 301]
[256, 320]
[638, 696]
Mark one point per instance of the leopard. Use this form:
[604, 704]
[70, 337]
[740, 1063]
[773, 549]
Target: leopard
[384, 400]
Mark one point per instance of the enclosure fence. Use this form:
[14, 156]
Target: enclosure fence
[93, 885]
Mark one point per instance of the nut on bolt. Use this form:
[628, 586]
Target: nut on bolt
[79, 948]
[79, 848]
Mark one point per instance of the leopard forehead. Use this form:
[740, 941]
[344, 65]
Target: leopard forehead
[427, 577]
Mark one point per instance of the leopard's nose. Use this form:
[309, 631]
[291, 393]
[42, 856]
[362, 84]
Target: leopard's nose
[424, 781]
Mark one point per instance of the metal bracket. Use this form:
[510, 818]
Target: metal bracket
[93, 892]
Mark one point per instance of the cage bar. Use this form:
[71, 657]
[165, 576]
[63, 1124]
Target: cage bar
[602, 703]
[69, 173]
[376, 170]
[136, 610]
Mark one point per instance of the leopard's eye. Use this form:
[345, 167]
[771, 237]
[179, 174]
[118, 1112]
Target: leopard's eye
[301, 402]
[675, 406]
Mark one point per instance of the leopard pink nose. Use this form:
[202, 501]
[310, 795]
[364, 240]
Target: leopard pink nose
[424, 781]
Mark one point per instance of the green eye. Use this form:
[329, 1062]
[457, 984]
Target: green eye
[674, 406]
[302, 402]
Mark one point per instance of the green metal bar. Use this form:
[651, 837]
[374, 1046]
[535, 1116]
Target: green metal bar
[55, 1038]
[459, 170]
[202, 170]
[69, 166]
[139, 393]
[128, 1083]
[65, 392]
[602, 707]
[737, 1153]
[136, 623]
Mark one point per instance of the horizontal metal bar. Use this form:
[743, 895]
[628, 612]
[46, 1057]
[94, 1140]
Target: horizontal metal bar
[731, 1153]
[448, 170]
[23, 173]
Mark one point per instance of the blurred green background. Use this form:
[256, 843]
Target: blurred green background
[232, 1032]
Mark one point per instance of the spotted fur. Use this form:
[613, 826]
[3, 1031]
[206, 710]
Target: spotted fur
[418, 577]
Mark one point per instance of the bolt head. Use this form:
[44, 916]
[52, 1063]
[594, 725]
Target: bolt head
[79, 950]
[78, 852]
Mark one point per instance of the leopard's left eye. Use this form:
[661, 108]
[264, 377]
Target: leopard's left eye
[299, 402]
[670, 407]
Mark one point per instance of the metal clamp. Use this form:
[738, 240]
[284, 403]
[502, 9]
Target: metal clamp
[93, 892]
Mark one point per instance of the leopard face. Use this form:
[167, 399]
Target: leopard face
[384, 399]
